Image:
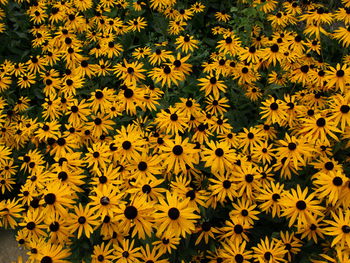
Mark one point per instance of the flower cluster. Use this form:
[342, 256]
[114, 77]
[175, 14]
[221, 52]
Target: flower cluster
[163, 131]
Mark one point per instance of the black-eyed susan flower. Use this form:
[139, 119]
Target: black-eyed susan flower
[102, 253]
[186, 43]
[137, 216]
[339, 228]
[177, 154]
[269, 250]
[218, 157]
[126, 252]
[300, 207]
[236, 251]
[174, 216]
[338, 77]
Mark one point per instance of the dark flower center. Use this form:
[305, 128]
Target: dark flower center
[174, 117]
[276, 197]
[63, 176]
[128, 93]
[31, 225]
[97, 121]
[305, 69]
[219, 152]
[344, 108]
[249, 178]
[239, 258]
[292, 146]
[329, 166]
[228, 40]
[274, 106]
[142, 166]
[206, 226]
[337, 181]
[288, 246]
[191, 194]
[313, 227]
[345, 229]
[102, 179]
[321, 122]
[130, 212]
[74, 109]
[54, 227]
[61, 141]
[226, 184]
[238, 229]
[212, 80]
[173, 213]
[177, 63]
[130, 70]
[146, 189]
[340, 73]
[50, 199]
[178, 150]
[99, 95]
[301, 205]
[104, 200]
[81, 220]
[267, 255]
[126, 145]
[46, 259]
[167, 70]
[274, 48]
[244, 212]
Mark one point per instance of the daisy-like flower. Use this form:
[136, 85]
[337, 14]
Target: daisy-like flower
[340, 228]
[177, 154]
[236, 252]
[137, 24]
[338, 77]
[313, 230]
[125, 252]
[54, 253]
[102, 253]
[274, 111]
[57, 198]
[137, 216]
[342, 34]
[295, 150]
[212, 85]
[235, 229]
[222, 16]
[166, 75]
[230, 44]
[270, 251]
[131, 73]
[329, 185]
[340, 108]
[291, 243]
[105, 200]
[244, 210]
[186, 43]
[218, 156]
[318, 127]
[175, 216]
[222, 188]
[83, 220]
[301, 207]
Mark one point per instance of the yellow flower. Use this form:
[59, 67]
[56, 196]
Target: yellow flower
[174, 216]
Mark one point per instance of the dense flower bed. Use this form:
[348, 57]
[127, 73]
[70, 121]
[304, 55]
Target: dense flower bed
[176, 131]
